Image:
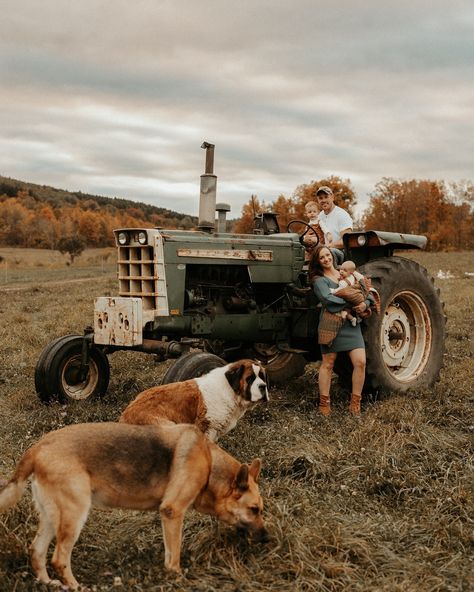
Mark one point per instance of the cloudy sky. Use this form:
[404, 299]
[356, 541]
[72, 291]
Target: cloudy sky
[115, 97]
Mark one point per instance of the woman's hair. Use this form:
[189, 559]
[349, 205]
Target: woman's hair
[314, 267]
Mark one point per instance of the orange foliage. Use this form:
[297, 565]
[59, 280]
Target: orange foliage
[285, 208]
[292, 208]
[15, 219]
[442, 212]
[421, 207]
[344, 195]
[25, 222]
[245, 224]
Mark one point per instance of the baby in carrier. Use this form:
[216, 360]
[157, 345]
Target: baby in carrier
[353, 288]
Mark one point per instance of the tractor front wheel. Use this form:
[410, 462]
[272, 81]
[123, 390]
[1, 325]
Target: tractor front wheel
[280, 366]
[192, 365]
[60, 374]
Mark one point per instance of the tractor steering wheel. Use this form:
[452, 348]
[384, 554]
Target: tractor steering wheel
[309, 228]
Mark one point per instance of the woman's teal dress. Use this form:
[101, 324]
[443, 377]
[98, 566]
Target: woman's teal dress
[348, 337]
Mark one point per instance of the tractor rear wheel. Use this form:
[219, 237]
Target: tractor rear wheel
[405, 343]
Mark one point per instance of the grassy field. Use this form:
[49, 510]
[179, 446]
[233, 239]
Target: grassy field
[381, 504]
[19, 267]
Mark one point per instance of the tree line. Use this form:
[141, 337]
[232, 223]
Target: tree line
[43, 217]
[444, 212]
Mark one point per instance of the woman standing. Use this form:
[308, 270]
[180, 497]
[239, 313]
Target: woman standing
[324, 276]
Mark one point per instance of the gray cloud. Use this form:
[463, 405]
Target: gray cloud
[115, 97]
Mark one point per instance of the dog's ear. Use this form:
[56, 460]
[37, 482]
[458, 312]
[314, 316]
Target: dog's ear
[234, 375]
[242, 478]
[254, 469]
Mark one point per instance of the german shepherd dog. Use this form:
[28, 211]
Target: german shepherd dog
[168, 468]
[213, 402]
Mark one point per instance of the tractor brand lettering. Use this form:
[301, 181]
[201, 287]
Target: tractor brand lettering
[246, 255]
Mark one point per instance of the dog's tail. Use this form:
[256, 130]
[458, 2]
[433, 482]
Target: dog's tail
[13, 490]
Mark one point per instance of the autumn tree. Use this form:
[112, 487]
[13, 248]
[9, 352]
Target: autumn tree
[72, 245]
[421, 207]
[90, 227]
[43, 228]
[14, 221]
[284, 207]
[292, 208]
[39, 216]
[344, 194]
[245, 224]
[461, 194]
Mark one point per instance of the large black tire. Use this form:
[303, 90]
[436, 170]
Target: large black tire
[56, 372]
[280, 366]
[192, 365]
[405, 343]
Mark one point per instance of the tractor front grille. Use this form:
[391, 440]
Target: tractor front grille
[137, 275]
[141, 274]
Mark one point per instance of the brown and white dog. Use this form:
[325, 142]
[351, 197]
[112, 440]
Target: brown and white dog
[213, 402]
[168, 468]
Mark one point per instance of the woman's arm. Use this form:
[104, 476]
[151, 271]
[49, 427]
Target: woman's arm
[322, 290]
[368, 302]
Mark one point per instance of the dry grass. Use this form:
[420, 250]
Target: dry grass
[381, 504]
[19, 267]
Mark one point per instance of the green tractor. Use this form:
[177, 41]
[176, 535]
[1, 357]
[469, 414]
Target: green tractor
[207, 297]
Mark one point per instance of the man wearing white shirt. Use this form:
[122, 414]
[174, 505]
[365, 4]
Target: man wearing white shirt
[336, 219]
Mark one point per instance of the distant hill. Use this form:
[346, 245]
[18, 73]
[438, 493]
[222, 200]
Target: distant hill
[56, 198]
[39, 216]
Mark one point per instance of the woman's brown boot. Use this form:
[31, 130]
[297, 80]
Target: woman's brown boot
[354, 405]
[324, 405]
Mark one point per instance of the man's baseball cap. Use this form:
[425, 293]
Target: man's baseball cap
[324, 189]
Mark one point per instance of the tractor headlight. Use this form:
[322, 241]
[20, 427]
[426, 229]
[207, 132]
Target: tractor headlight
[123, 238]
[142, 237]
[361, 240]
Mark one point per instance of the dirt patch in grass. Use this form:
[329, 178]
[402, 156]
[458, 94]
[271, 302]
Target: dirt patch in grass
[384, 503]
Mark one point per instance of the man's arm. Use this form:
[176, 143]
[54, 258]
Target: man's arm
[343, 224]
[340, 243]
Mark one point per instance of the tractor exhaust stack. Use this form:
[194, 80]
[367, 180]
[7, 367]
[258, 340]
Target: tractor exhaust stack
[207, 201]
